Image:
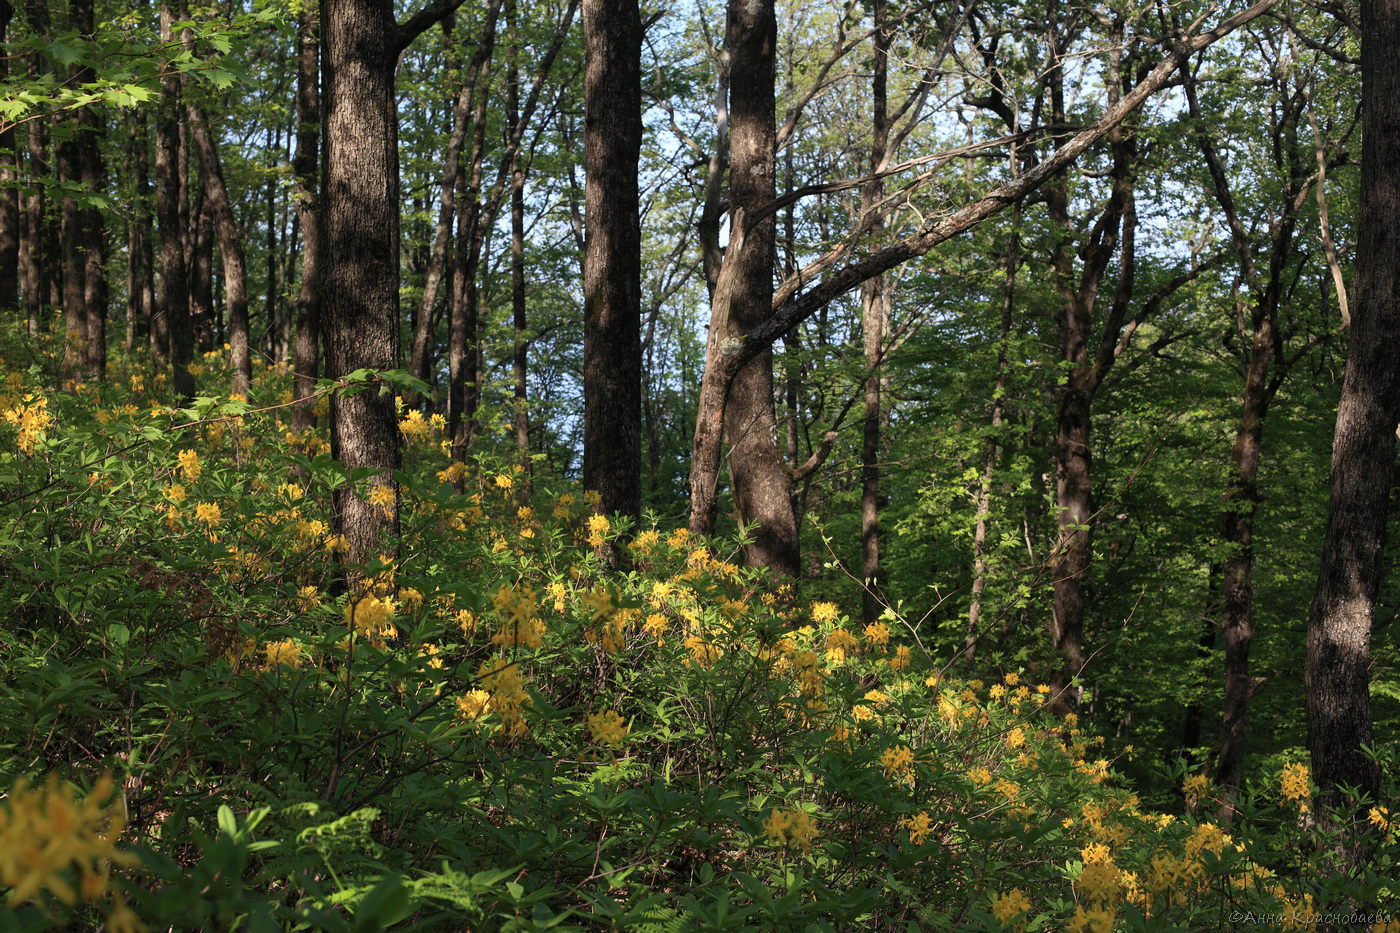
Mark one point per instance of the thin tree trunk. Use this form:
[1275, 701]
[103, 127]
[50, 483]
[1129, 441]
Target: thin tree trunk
[1363, 453]
[517, 258]
[462, 340]
[989, 453]
[201, 260]
[81, 229]
[174, 316]
[220, 208]
[420, 357]
[304, 170]
[9, 193]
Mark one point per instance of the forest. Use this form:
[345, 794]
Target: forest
[749, 465]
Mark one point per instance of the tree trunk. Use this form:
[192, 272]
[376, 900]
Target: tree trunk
[989, 453]
[201, 266]
[873, 309]
[421, 354]
[463, 353]
[1237, 601]
[304, 170]
[760, 480]
[140, 261]
[360, 300]
[520, 346]
[174, 314]
[9, 193]
[612, 269]
[1363, 453]
[220, 207]
[81, 229]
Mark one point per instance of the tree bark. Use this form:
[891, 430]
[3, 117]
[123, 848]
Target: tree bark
[1363, 453]
[304, 170]
[742, 401]
[989, 453]
[174, 310]
[9, 193]
[140, 261]
[38, 250]
[873, 310]
[612, 266]
[463, 343]
[360, 288]
[81, 230]
[220, 207]
[520, 348]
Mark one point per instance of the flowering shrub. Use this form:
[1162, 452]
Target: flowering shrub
[491, 729]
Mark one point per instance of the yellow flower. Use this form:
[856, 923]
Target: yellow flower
[877, 634]
[1016, 738]
[285, 653]
[504, 481]
[919, 826]
[1100, 882]
[823, 612]
[189, 465]
[901, 659]
[1012, 679]
[369, 614]
[473, 705]
[208, 514]
[597, 528]
[898, 763]
[383, 497]
[47, 837]
[1094, 920]
[1010, 908]
[793, 827]
[980, 776]
[1295, 782]
[608, 728]
[1379, 817]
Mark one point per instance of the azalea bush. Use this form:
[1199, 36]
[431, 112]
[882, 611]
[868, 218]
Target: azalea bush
[210, 721]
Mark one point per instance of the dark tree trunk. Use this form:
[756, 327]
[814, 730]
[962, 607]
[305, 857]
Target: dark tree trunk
[201, 266]
[39, 249]
[140, 260]
[463, 350]
[271, 320]
[612, 275]
[517, 256]
[219, 206]
[305, 169]
[360, 285]
[421, 354]
[174, 309]
[873, 308]
[1363, 453]
[9, 193]
[81, 229]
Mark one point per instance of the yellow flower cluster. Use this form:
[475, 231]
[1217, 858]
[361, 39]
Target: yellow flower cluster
[1010, 909]
[898, 763]
[607, 728]
[919, 826]
[791, 828]
[520, 624]
[597, 527]
[31, 418]
[414, 426]
[189, 465]
[383, 497]
[372, 616]
[505, 688]
[1295, 784]
[285, 653]
[47, 838]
